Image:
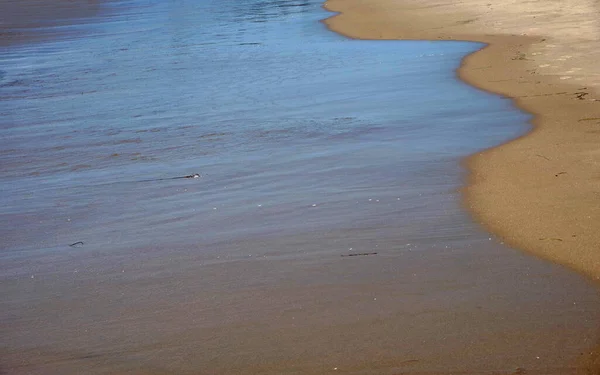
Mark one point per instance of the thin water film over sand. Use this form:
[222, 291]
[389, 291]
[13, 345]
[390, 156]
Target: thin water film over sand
[322, 233]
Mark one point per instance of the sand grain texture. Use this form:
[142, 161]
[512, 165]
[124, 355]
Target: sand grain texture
[541, 192]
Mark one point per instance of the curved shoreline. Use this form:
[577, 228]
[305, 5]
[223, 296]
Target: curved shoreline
[539, 192]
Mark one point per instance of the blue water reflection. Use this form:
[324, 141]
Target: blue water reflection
[257, 96]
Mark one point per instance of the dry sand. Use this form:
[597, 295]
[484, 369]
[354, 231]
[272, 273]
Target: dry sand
[541, 192]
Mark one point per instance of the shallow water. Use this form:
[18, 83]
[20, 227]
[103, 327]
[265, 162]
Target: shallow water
[261, 100]
[310, 146]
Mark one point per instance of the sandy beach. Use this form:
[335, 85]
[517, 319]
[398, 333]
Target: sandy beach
[540, 192]
[326, 233]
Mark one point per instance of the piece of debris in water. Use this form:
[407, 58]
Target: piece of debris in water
[358, 254]
[77, 244]
[195, 175]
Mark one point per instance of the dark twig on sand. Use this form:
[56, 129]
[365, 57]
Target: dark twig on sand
[542, 156]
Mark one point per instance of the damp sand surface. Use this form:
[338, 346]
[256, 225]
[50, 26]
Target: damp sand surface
[311, 147]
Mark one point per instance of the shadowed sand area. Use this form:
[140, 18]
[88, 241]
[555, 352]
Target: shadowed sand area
[539, 192]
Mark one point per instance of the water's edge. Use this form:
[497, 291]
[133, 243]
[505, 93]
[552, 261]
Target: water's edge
[499, 190]
[494, 58]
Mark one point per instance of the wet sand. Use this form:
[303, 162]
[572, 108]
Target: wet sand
[540, 192]
[470, 309]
